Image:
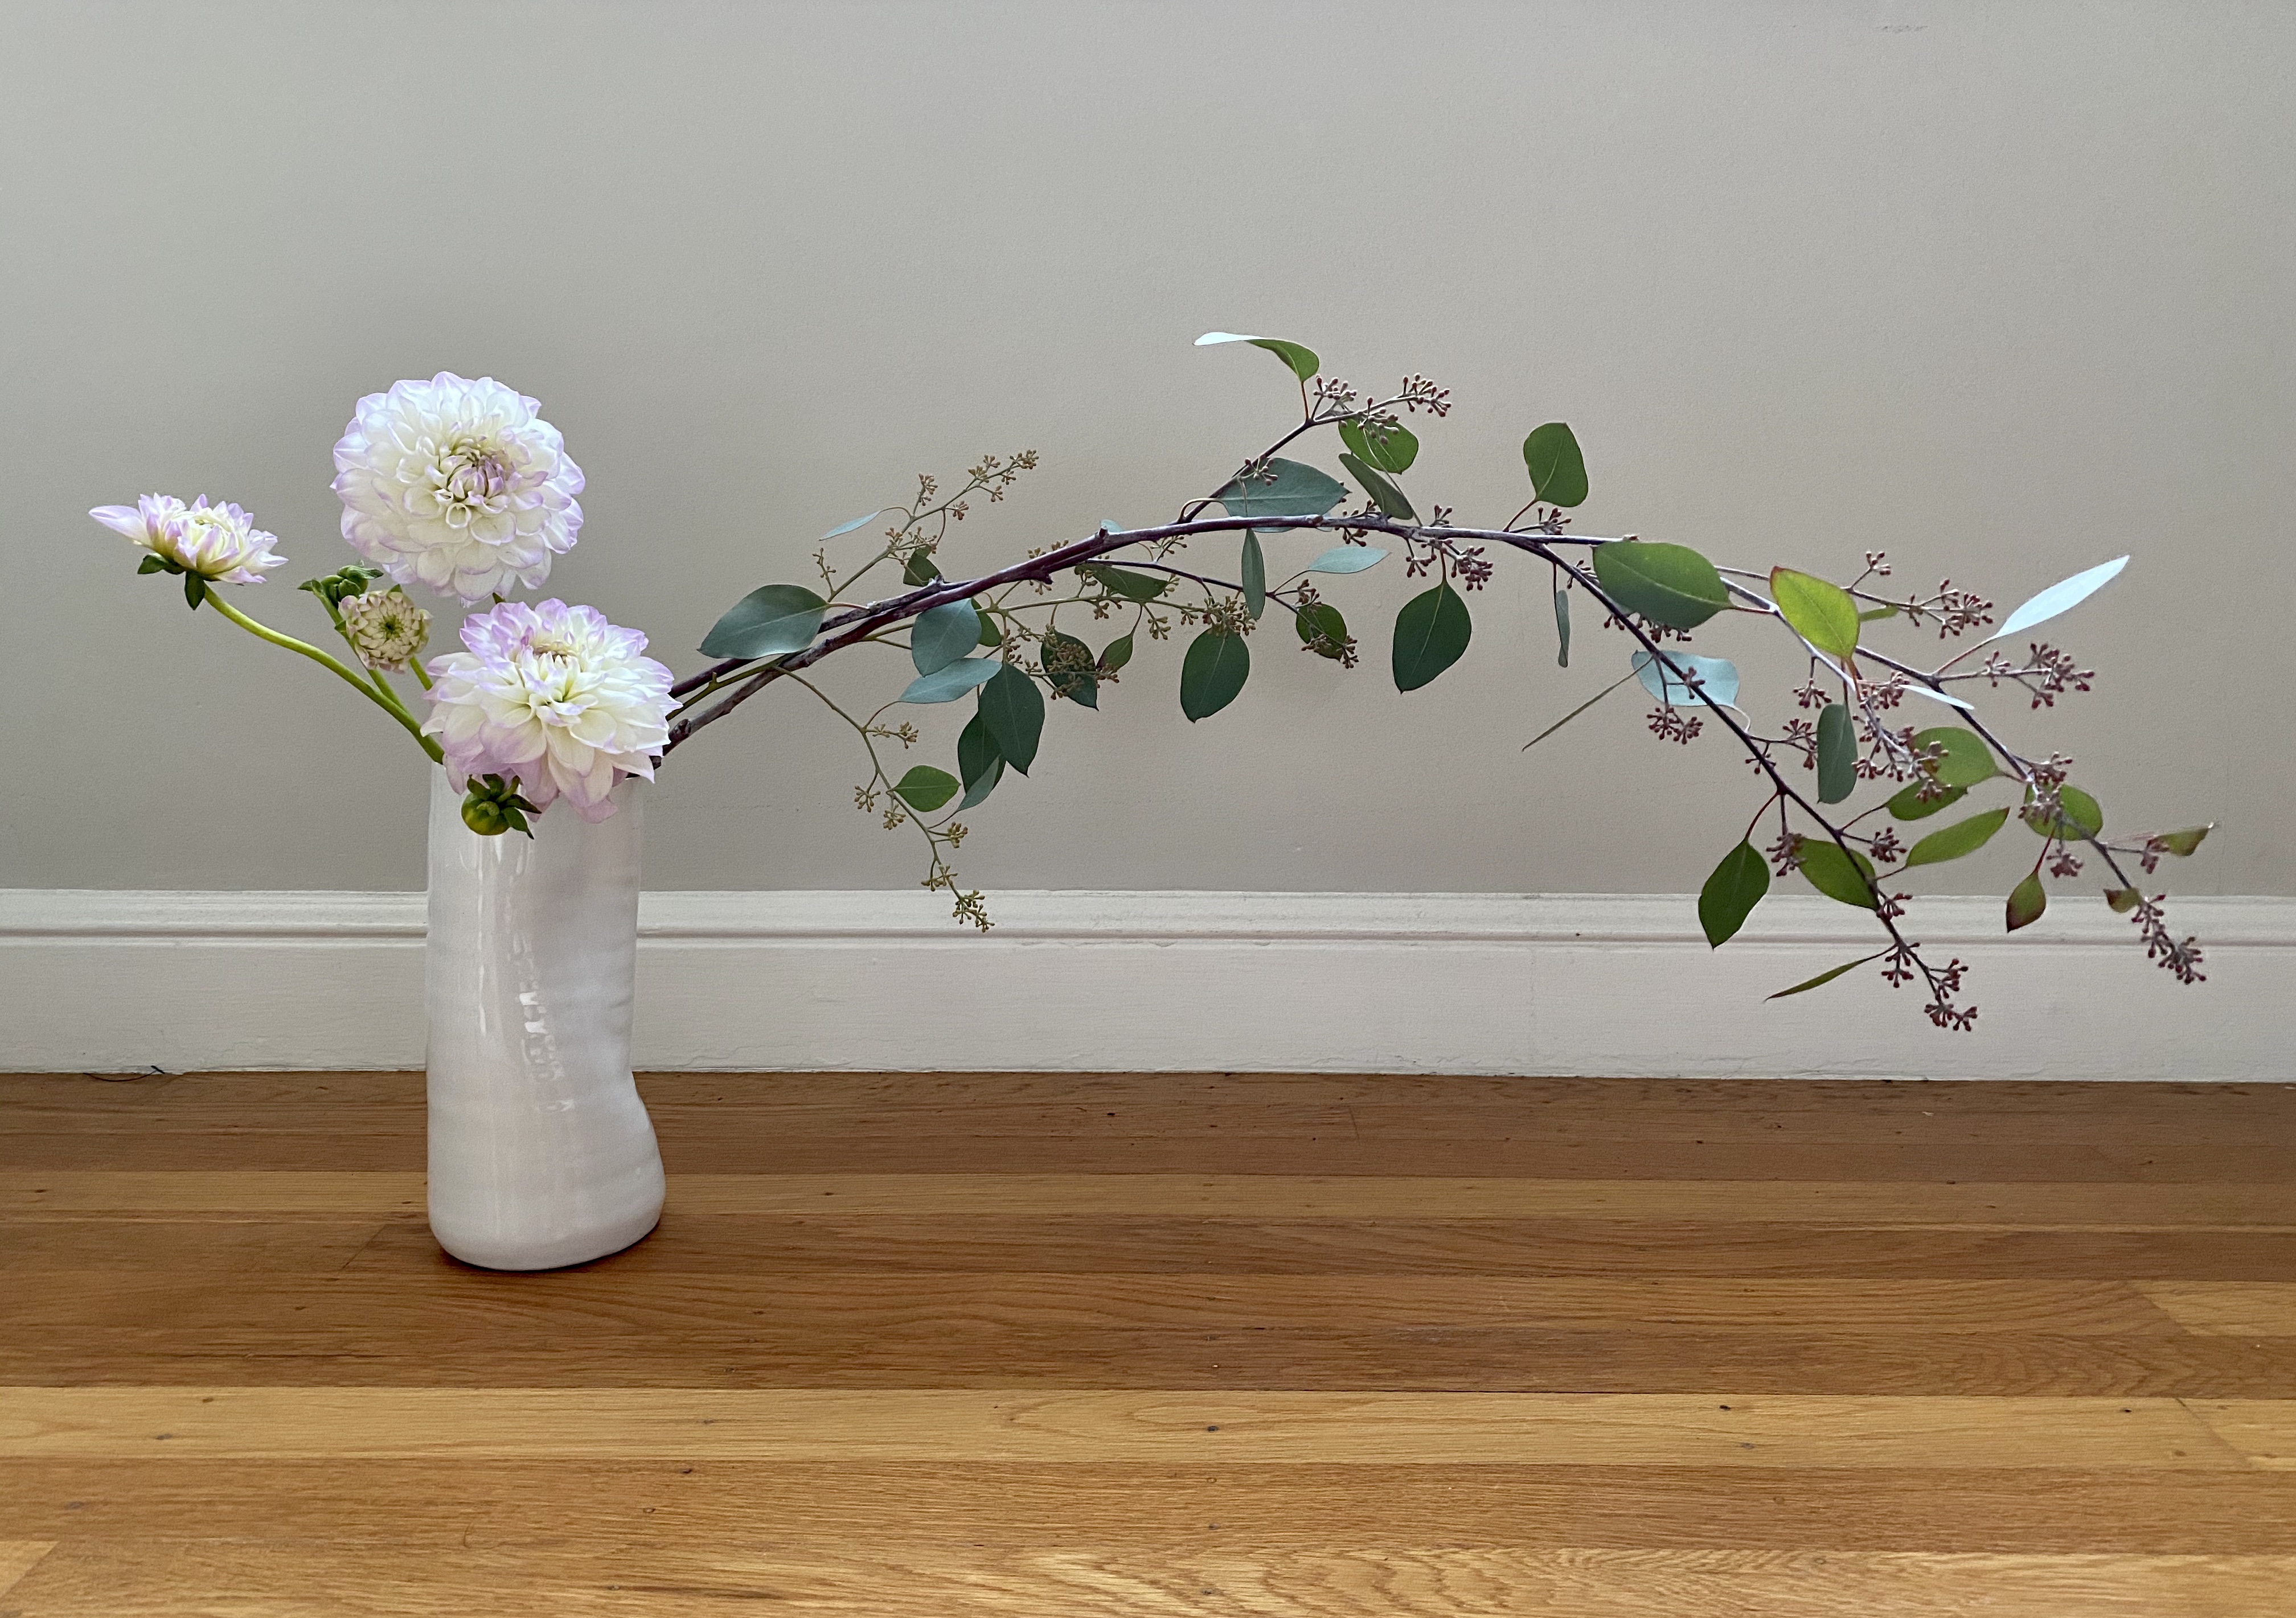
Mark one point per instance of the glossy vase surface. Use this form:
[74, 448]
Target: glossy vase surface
[541, 1152]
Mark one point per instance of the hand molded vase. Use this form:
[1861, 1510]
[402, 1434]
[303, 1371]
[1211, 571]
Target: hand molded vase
[541, 1152]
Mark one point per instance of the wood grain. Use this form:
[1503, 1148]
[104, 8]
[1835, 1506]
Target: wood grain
[1079, 1344]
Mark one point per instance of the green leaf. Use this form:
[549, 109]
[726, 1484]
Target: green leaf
[1118, 654]
[920, 568]
[156, 564]
[2122, 899]
[1322, 630]
[1212, 673]
[1872, 613]
[2182, 842]
[196, 590]
[1255, 576]
[1014, 711]
[1828, 976]
[2027, 901]
[1910, 805]
[1821, 612]
[1070, 669]
[1301, 358]
[1294, 490]
[1731, 894]
[843, 529]
[942, 634]
[1837, 755]
[1847, 876]
[2079, 815]
[1120, 581]
[1967, 759]
[1716, 677]
[1961, 837]
[978, 761]
[989, 634]
[1562, 629]
[1390, 449]
[1346, 558]
[925, 788]
[770, 621]
[1558, 471]
[1669, 584]
[951, 681]
[1383, 494]
[1430, 633]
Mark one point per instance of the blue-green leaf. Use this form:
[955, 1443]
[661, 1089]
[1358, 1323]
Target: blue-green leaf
[1837, 755]
[863, 520]
[1562, 629]
[925, 788]
[1122, 582]
[952, 680]
[1390, 449]
[1384, 495]
[1298, 356]
[1323, 630]
[1669, 584]
[978, 761]
[1070, 669]
[1255, 576]
[942, 634]
[1346, 558]
[1282, 489]
[1718, 677]
[2060, 598]
[770, 621]
[1828, 976]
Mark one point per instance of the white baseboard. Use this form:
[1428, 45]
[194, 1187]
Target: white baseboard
[1360, 983]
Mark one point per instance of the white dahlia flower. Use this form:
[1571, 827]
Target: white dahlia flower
[554, 696]
[387, 628]
[458, 486]
[220, 544]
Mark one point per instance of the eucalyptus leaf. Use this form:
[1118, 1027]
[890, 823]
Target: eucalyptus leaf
[2061, 597]
[1254, 568]
[1295, 489]
[1070, 669]
[978, 761]
[1121, 582]
[2027, 901]
[1846, 876]
[1886, 610]
[2122, 899]
[1390, 449]
[769, 622]
[1322, 630]
[951, 681]
[1118, 654]
[1562, 629]
[1911, 805]
[1346, 558]
[925, 788]
[1301, 358]
[1669, 584]
[1718, 677]
[862, 521]
[1821, 611]
[942, 634]
[1828, 976]
[1967, 759]
[1558, 470]
[1430, 633]
[2185, 842]
[1961, 837]
[2079, 815]
[1837, 755]
[1731, 893]
[1383, 494]
[1013, 709]
[1212, 673]
[1581, 709]
[991, 635]
[920, 568]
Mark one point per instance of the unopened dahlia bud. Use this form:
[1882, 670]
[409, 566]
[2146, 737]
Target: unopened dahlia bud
[386, 627]
[492, 806]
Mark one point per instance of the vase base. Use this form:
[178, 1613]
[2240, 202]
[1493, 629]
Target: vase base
[560, 1250]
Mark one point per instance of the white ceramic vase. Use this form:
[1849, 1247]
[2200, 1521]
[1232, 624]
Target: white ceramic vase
[541, 1152]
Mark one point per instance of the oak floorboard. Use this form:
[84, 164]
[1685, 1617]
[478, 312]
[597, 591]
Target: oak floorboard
[140, 1580]
[1072, 1344]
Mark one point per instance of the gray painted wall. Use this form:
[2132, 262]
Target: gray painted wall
[2003, 289]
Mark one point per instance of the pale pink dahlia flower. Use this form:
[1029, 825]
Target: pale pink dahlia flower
[554, 695]
[220, 544]
[458, 486]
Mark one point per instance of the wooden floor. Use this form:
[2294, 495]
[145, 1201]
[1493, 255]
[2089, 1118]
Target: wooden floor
[1079, 1346]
